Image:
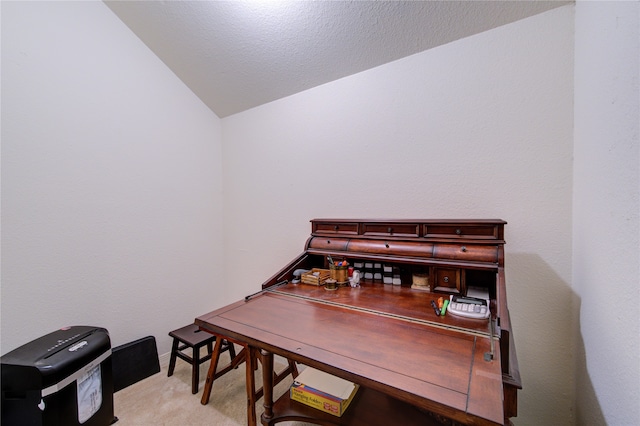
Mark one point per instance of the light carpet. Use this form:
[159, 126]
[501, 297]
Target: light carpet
[160, 400]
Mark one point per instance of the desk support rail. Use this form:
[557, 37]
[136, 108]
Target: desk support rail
[266, 290]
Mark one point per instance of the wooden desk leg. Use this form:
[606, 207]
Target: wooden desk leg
[211, 375]
[294, 368]
[267, 385]
[251, 386]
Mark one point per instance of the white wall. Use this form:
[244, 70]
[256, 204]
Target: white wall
[478, 128]
[606, 264]
[111, 180]
[112, 194]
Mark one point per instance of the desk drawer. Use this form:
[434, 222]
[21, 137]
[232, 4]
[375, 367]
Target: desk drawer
[448, 280]
[461, 231]
[391, 229]
[332, 228]
[473, 253]
[392, 248]
[326, 243]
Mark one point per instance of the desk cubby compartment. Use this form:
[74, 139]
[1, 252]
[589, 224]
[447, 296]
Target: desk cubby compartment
[480, 279]
[448, 280]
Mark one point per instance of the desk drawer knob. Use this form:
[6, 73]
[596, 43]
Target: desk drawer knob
[390, 230]
[458, 231]
[464, 249]
[335, 228]
[386, 245]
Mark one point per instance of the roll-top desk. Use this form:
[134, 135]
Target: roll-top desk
[384, 335]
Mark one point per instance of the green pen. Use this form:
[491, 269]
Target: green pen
[443, 311]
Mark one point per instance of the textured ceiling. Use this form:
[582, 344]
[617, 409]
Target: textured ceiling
[235, 55]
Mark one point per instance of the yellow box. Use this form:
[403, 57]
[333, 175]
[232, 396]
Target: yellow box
[323, 391]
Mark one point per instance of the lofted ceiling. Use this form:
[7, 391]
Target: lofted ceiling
[235, 55]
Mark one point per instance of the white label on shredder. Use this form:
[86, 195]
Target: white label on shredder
[89, 393]
[75, 376]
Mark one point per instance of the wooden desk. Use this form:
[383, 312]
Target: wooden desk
[407, 358]
[386, 337]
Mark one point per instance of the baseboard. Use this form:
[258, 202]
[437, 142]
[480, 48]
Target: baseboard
[164, 360]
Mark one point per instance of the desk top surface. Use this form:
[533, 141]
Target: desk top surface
[383, 337]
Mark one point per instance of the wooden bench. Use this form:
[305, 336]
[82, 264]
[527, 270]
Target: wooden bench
[192, 337]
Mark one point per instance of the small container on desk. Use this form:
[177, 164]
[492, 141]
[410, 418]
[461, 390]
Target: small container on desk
[340, 274]
[420, 282]
[315, 276]
[330, 284]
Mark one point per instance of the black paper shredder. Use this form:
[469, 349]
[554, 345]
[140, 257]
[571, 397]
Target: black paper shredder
[62, 378]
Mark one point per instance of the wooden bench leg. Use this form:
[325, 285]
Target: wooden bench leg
[172, 359]
[195, 370]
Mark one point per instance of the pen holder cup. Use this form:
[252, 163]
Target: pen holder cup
[340, 274]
